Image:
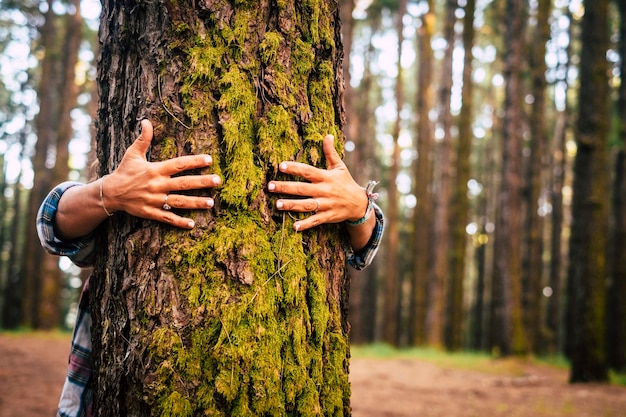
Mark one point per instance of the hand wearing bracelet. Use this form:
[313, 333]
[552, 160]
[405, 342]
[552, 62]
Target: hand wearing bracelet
[371, 197]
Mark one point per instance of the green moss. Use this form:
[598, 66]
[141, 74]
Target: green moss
[277, 137]
[237, 106]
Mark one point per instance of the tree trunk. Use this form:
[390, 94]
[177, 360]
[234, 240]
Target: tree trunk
[392, 273]
[443, 192]
[507, 267]
[363, 320]
[532, 272]
[422, 176]
[590, 202]
[45, 123]
[460, 203]
[617, 290]
[49, 274]
[241, 316]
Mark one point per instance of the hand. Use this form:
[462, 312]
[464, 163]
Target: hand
[333, 195]
[143, 188]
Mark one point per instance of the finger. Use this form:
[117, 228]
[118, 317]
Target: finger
[178, 201]
[193, 182]
[184, 163]
[299, 206]
[292, 188]
[142, 144]
[305, 171]
[168, 217]
[308, 223]
[333, 159]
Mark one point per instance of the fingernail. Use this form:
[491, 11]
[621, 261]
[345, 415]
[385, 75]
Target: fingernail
[296, 226]
[216, 180]
[271, 186]
[210, 202]
[208, 160]
[279, 204]
[191, 224]
[283, 166]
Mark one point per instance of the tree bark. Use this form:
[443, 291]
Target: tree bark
[460, 202]
[241, 316]
[617, 290]
[590, 202]
[532, 271]
[444, 172]
[507, 257]
[422, 177]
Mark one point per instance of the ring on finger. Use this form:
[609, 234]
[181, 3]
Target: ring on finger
[318, 205]
[166, 206]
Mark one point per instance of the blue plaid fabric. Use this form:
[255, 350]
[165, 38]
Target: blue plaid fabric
[76, 397]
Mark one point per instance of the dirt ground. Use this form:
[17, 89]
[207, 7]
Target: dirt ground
[32, 368]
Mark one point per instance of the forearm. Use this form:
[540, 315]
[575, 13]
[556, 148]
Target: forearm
[80, 211]
[360, 234]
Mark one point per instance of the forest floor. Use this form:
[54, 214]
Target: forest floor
[32, 369]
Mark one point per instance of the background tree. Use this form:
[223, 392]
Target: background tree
[590, 204]
[616, 328]
[242, 316]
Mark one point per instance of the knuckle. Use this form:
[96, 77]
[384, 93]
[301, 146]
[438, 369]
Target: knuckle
[185, 183]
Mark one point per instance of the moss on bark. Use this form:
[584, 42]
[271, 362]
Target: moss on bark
[241, 316]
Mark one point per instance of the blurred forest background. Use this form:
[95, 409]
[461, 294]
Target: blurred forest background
[496, 129]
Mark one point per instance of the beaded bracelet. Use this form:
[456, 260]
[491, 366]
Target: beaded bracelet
[102, 198]
[371, 197]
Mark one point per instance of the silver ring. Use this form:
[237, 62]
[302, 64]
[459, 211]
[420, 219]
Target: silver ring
[165, 205]
[318, 205]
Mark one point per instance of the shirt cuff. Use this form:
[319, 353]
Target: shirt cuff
[361, 259]
[81, 250]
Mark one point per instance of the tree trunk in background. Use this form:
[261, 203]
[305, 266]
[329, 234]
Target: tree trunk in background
[13, 292]
[510, 337]
[532, 271]
[50, 276]
[46, 124]
[558, 251]
[616, 330]
[392, 271]
[590, 204]
[443, 191]
[422, 176]
[363, 329]
[460, 202]
[241, 316]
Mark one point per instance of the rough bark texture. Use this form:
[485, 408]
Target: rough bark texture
[241, 316]
[590, 203]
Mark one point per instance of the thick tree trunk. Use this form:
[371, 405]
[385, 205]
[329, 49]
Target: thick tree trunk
[590, 203]
[241, 316]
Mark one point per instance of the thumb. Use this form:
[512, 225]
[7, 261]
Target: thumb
[142, 144]
[332, 157]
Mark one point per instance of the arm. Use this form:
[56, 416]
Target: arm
[333, 194]
[138, 187]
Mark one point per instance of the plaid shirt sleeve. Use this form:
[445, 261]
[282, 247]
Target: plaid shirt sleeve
[80, 251]
[361, 259]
